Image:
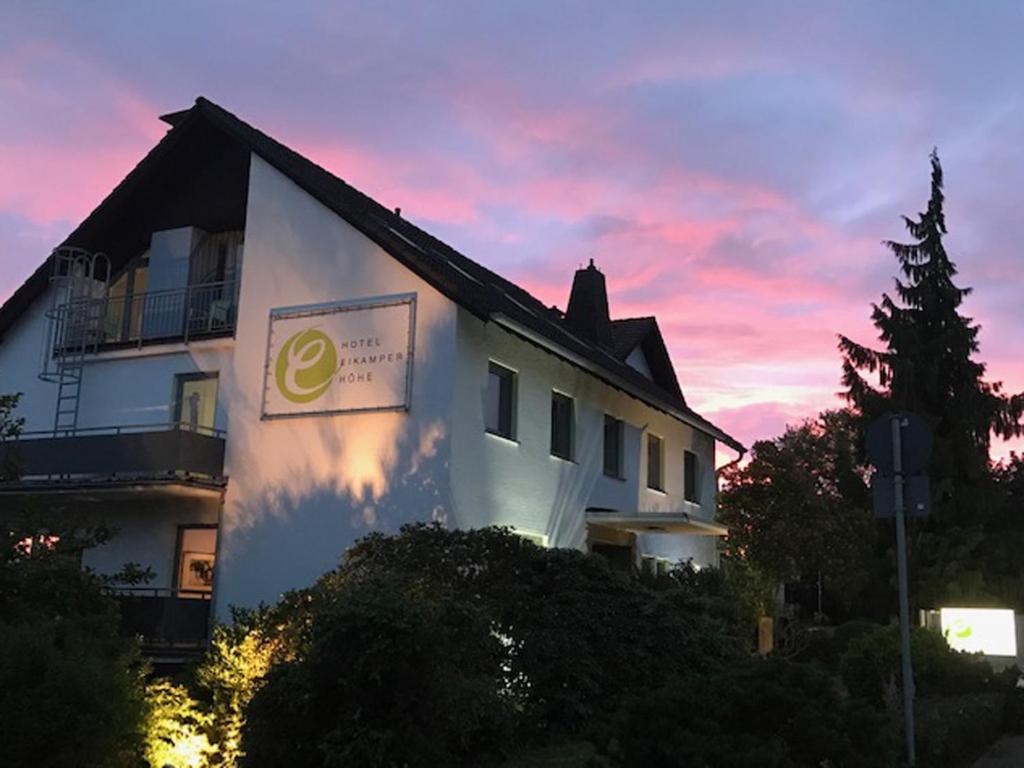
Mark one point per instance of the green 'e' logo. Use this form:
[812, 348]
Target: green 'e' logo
[305, 366]
[962, 629]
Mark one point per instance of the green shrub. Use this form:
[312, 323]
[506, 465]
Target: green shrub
[758, 713]
[384, 677]
[571, 754]
[71, 688]
[583, 636]
[436, 647]
[827, 645]
[952, 731]
[176, 728]
[871, 665]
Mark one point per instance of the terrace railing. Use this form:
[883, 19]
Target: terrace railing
[135, 451]
[165, 618]
[196, 311]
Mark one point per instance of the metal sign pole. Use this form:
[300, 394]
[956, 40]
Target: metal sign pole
[901, 568]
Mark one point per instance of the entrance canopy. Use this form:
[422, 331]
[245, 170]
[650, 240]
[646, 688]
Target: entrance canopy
[654, 522]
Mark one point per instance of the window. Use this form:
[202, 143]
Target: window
[125, 300]
[562, 427]
[655, 460]
[500, 402]
[690, 491]
[613, 446]
[197, 547]
[195, 401]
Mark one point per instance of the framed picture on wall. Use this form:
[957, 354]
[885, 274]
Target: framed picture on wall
[196, 571]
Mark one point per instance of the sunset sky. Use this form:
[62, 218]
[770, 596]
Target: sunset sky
[731, 167]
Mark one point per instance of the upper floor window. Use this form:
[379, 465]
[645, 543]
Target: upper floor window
[195, 401]
[655, 463]
[690, 486]
[499, 401]
[563, 427]
[613, 430]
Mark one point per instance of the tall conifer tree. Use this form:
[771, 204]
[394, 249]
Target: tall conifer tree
[927, 364]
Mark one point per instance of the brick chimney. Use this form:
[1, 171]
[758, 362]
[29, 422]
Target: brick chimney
[587, 314]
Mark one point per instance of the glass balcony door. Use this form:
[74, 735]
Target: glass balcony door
[195, 402]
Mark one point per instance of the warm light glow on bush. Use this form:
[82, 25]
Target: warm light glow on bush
[176, 728]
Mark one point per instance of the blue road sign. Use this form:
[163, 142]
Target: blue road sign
[916, 495]
[915, 443]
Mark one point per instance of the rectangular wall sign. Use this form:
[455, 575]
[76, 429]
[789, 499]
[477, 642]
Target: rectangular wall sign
[341, 357]
[992, 631]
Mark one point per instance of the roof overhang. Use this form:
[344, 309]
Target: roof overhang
[655, 522]
[100, 491]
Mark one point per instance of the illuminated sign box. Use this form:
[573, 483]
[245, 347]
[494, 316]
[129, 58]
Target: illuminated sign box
[341, 357]
[992, 631]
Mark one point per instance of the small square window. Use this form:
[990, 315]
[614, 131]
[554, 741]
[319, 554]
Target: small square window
[691, 490]
[500, 401]
[655, 463]
[562, 426]
[613, 446]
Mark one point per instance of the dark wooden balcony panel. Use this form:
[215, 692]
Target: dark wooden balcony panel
[165, 618]
[133, 454]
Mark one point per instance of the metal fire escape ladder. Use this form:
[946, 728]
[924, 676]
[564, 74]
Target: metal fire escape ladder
[78, 288]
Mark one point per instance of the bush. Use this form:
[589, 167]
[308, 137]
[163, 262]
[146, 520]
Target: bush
[71, 688]
[871, 665]
[762, 713]
[828, 645]
[581, 635]
[176, 728]
[436, 647]
[385, 678]
[954, 730]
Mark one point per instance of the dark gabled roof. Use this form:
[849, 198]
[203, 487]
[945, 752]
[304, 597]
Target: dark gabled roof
[643, 332]
[628, 332]
[467, 283]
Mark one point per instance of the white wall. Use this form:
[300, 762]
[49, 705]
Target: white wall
[303, 489]
[20, 357]
[146, 533]
[124, 387]
[118, 388]
[497, 481]
[137, 386]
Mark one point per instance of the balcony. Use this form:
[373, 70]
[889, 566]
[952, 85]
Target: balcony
[161, 459]
[169, 621]
[196, 312]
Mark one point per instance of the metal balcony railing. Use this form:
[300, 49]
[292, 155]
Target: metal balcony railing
[197, 311]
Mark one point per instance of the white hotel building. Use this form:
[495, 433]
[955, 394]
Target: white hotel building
[243, 364]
